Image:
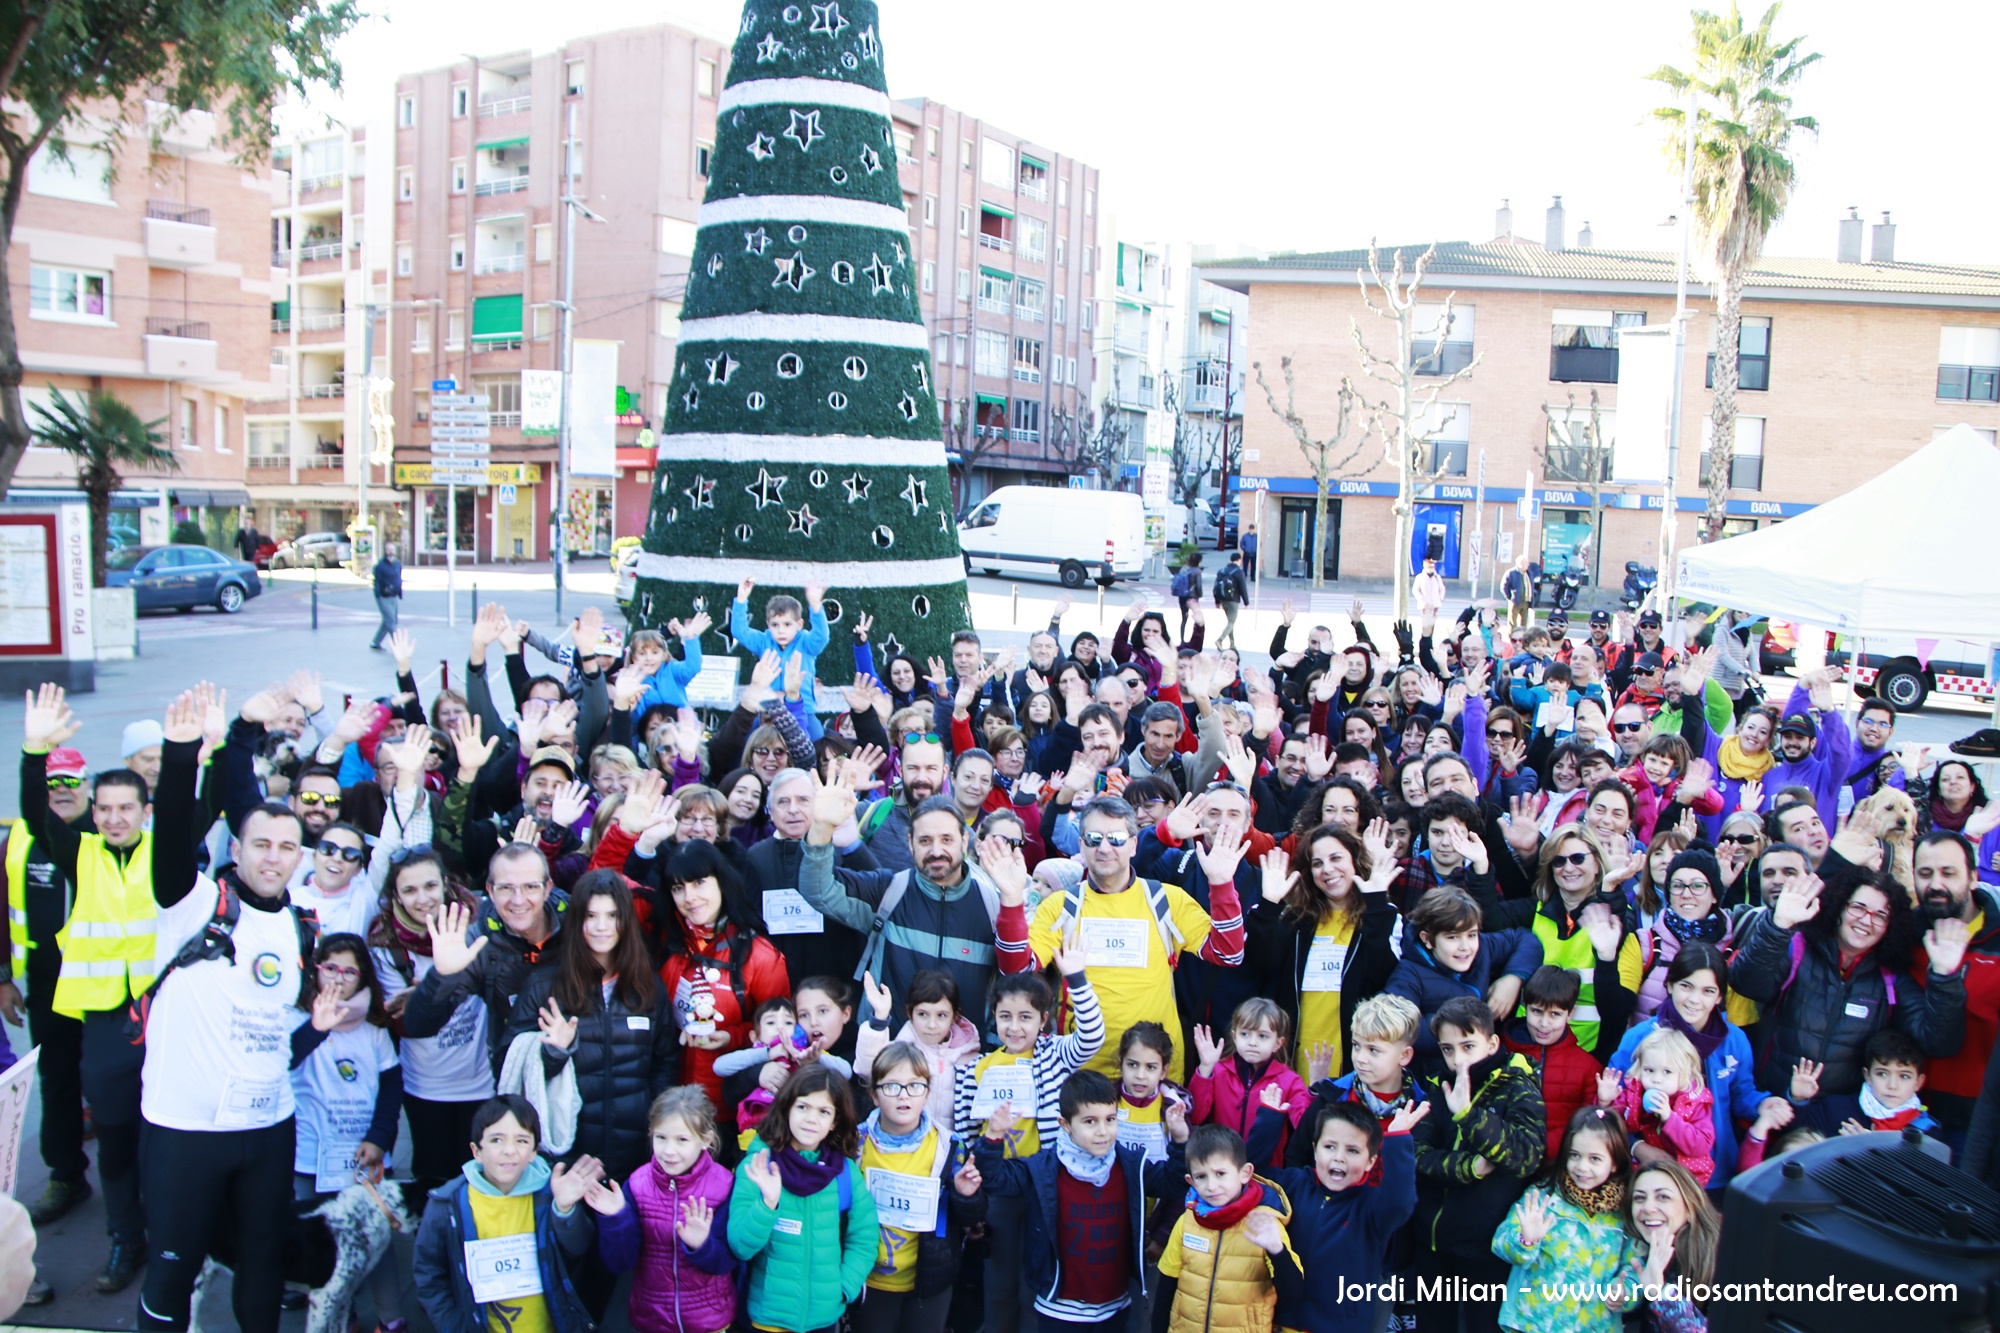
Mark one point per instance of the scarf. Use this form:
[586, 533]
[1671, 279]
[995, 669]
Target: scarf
[1361, 1092]
[1882, 1117]
[417, 941]
[533, 1177]
[1092, 1171]
[871, 1130]
[1221, 1217]
[1605, 1199]
[1729, 757]
[1708, 1040]
[1135, 1101]
[1710, 928]
[1942, 816]
[803, 1175]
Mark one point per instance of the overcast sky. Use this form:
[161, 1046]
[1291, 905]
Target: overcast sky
[1314, 125]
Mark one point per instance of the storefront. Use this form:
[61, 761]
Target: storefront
[1295, 538]
[592, 505]
[499, 521]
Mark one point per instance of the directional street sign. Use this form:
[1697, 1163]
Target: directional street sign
[461, 447]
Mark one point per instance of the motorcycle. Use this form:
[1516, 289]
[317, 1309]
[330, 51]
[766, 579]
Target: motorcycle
[1569, 584]
[1639, 582]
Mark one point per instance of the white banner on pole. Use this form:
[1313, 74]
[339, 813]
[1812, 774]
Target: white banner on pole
[593, 429]
[541, 402]
[1645, 399]
[15, 1086]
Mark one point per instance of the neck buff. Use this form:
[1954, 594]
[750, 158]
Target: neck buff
[1095, 1171]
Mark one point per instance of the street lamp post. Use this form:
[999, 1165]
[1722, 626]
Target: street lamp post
[572, 206]
[1669, 505]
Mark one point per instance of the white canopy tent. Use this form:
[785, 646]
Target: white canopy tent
[1902, 556]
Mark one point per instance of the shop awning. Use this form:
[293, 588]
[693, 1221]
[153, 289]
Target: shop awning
[992, 400]
[999, 273]
[496, 317]
[226, 498]
[995, 208]
[495, 144]
[1027, 161]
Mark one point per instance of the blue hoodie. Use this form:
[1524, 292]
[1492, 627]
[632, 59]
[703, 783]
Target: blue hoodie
[1345, 1234]
[668, 685]
[439, 1268]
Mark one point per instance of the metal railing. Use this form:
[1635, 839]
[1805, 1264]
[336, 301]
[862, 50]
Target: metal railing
[1033, 314]
[505, 420]
[512, 344]
[168, 211]
[320, 250]
[501, 264]
[281, 326]
[1028, 374]
[335, 319]
[325, 181]
[505, 185]
[993, 305]
[1037, 190]
[322, 390]
[1123, 340]
[276, 462]
[992, 242]
[504, 106]
[1025, 436]
[281, 258]
[166, 326]
[324, 460]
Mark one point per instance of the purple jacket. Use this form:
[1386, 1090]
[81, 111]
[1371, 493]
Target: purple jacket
[1824, 769]
[676, 1290]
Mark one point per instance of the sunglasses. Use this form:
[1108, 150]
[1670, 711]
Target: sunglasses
[65, 783]
[1099, 839]
[922, 738]
[402, 854]
[313, 798]
[1622, 727]
[1499, 733]
[1016, 843]
[1570, 859]
[352, 855]
[769, 752]
[1739, 839]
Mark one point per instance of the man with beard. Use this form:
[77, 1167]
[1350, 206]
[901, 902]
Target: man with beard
[550, 771]
[1284, 789]
[1948, 888]
[1630, 732]
[1086, 776]
[813, 945]
[885, 827]
[937, 915]
[1798, 823]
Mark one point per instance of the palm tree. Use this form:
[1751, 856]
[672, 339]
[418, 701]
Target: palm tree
[1742, 181]
[107, 439]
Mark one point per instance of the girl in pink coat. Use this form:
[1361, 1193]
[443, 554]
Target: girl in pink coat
[1231, 1085]
[672, 1221]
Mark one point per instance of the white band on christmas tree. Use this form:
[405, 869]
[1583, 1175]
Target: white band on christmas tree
[804, 328]
[798, 573]
[804, 208]
[802, 450]
[813, 92]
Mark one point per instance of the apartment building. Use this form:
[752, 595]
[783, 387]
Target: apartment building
[485, 150]
[1847, 365]
[140, 267]
[330, 224]
[1004, 235]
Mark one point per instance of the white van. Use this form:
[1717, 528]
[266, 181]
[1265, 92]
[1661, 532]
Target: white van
[1076, 536]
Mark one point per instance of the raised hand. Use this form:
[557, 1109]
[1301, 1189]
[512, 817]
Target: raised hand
[558, 1033]
[487, 628]
[1381, 848]
[743, 589]
[1279, 877]
[1007, 868]
[1750, 796]
[1261, 1229]
[604, 1198]
[1797, 903]
[877, 996]
[1208, 1048]
[1913, 758]
[966, 1180]
[626, 687]
[1606, 932]
[1475, 679]
[48, 721]
[863, 622]
[1273, 1098]
[1000, 1121]
[694, 627]
[767, 669]
[687, 734]
[1288, 612]
[1406, 1117]
[939, 677]
[587, 632]
[1184, 821]
[1241, 764]
[526, 830]
[833, 803]
[1805, 1080]
[355, 722]
[795, 675]
[1176, 1116]
[1946, 944]
[451, 952]
[569, 1182]
[570, 804]
[696, 1219]
[1609, 1084]
[473, 751]
[1534, 1217]
[325, 1010]
[304, 685]
[1458, 1092]
[858, 769]
[402, 647]
[184, 714]
[1221, 855]
[411, 755]
[640, 810]
[1070, 956]
[1319, 757]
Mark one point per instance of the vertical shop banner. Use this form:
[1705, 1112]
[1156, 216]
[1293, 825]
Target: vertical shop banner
[541, 402]
[593, 423]
[1645, 402]
[15, 1085]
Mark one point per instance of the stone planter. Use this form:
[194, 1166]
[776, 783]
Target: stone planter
[115, 624]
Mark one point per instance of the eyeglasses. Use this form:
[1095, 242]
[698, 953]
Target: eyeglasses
[1857, 912]
[65, 783]
[1099, 839]
[698, 819]
[353, 855]
[1680, 886]
[769, 752]
[1739, 839]
[313, 798]
[1623, 727]
[1570, 859]
[901, 1089]
[334, 972]
[922, 738]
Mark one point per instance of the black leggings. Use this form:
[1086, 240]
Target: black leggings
[900, 1312]
[440, 1138]
[224, 1190]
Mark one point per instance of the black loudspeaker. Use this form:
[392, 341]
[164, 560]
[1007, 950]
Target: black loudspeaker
[1871, 1213]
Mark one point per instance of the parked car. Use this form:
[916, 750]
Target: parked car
[625, 579]
[1903, 671]
[182, 578]
[313, 550]
[1075, 535]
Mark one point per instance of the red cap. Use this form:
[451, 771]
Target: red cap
[66, 763]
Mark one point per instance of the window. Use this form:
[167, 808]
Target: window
[990, 351]
[420, 334]
[677, 237]
[704, 78]
[930, 275]
[965, 284]
[1028, 360]
[184, 435]
[1083, 314]
[1069, 370]
[406, 110]
[454, 330]
[1034, 178]
[1426, 357]
[503, 392]
[1089, 258]
[958, 349]
[931, 139]
[544, 317]
[995, 291]
[1034, 239]
[1753, 353]
[668, 318]
[405, 260]
[930, 210]
[458, 175]
[461, 100]
[84, 174]
[704, 159]
[573, 78]
[69, 293]
[965, 154]
[1583, 345]
[1062, 252]
[1062, 193]
[1028, 298]
[1746, 463]
[220, 422]
[906, 145]
[943, 355]
[1969, 364]
[545, 242]
[1027, 422]
[1448, 429]
[1566, 457]
[996, 164]
[406, 185]
[458, 254]
[1061, 308]
[1089, 202]
[964, 221]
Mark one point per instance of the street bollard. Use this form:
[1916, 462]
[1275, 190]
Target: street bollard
[1100, 603]
[473, 610]
[315, 599]
[1017, 605]
[444, 673]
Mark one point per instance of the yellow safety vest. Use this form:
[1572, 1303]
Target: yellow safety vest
[107, 944]
[18, 839]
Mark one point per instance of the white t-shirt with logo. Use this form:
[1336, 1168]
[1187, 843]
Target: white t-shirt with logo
[453, 1065]
[219, 1037]
[348, 913]
[335, 1090]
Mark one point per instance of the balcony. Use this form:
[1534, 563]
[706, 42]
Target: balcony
[1205, 398]
[505, 420]
[1037, 190]
[268, 463]
[503, 185]
[988, 241]
[512, 344]
[1138, 396]
[1031, 314]
[320, 322]
[178, 236]
[281, 326]
[314, 251]
[281, 257]
[1134, 342]
[1021, 436]
[504, 105]
[994, 305]
[336, 389]
[326, 181]
[500, 264]
[178, 348]
[1028, 374]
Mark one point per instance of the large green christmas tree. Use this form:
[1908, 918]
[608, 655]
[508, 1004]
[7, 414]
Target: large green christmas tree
[801, 442]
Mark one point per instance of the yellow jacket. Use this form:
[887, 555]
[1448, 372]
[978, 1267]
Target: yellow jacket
[107, 944]
[1225, 1283]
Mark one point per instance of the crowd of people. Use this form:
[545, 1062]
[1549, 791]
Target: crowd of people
[1120, 984]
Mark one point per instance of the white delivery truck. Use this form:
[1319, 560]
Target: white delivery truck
[1075, 536]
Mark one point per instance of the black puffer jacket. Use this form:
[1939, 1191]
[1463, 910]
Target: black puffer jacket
[496, 975]
[1276, 946]
[623, 1060]
[833, 952]
[1822, 1017]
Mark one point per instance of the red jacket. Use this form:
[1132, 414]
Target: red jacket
[1567, 1073]
[1222, 1099]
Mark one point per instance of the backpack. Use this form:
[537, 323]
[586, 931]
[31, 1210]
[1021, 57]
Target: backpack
[1798, 953]
[1183, 584]
[899, 886]
[1229, 585]
[215, 941]
[1156, 901]
[873, 820]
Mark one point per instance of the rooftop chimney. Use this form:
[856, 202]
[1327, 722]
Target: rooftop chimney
[1882, 245]
[1583, 238]
[1554, 237]
[1503, 221]
[1851, 227]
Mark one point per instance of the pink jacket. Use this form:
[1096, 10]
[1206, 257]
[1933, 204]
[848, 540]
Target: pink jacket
[674, 1290]
[1688, 1132]
[1220, 1098]
[961, 1047]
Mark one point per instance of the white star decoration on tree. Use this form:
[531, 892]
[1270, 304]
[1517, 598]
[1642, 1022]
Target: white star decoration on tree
[871, 161]
[701, 494]
[762, 146]
[880, 274]
[802, 520]
[714, 265]
[769, 49]
[869, 46]
[891, 645]
[907, 405]
[793, 272]
[691, 399]
[857, 488]
[767, 489]
[756, 242]
[804, 130]
[923, 375]
[827, 18]
[721, 367]
[917, 493]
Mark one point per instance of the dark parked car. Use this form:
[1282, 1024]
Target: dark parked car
[183, 578]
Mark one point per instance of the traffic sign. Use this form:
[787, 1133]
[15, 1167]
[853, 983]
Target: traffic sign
[444, 386]
[508, 495]
[440, 477]
[461, 433]
[461, 447]
[461, 400]
[462, 416]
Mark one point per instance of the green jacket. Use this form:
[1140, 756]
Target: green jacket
[1716, 706]
[807, 1261]
[1580, 1248]
[1458, 1210]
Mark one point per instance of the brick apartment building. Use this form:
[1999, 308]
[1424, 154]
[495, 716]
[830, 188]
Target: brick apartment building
[1848, 365]
[144, 270]
[1002, 235]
